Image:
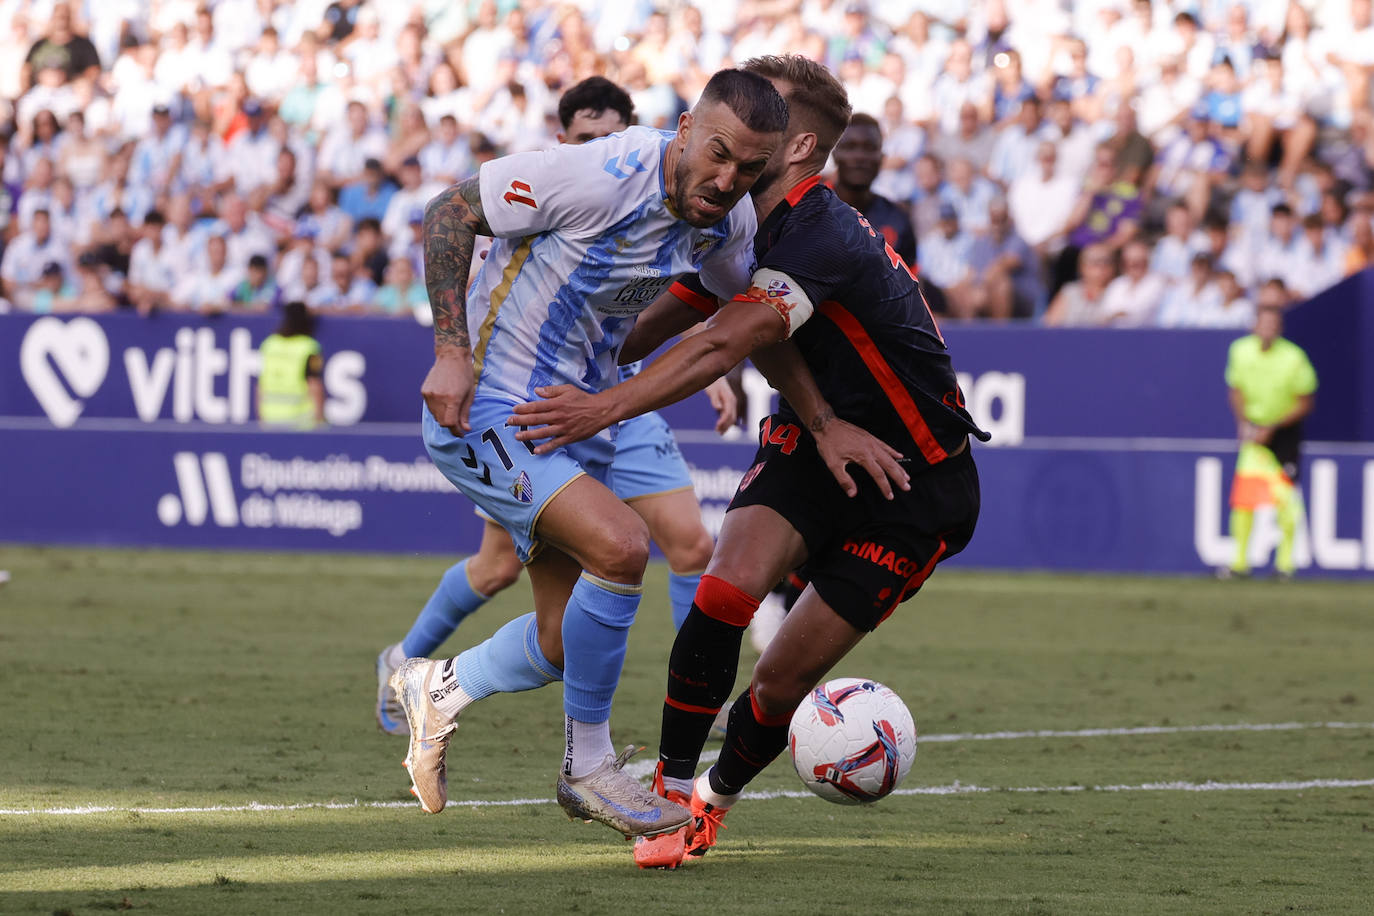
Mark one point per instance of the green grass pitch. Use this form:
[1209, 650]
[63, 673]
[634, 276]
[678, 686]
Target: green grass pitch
[139, 680]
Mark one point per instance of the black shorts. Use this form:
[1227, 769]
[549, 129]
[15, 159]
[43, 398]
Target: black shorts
[865, 554]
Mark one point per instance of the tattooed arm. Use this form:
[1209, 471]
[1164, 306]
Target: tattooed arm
[453, 220]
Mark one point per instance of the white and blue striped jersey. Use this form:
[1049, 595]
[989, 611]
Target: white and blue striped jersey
[585, 241]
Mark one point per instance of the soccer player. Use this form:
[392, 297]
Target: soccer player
[585, 238]
[858, 159]
[1272, 388]
[647, 472]
[828, 282]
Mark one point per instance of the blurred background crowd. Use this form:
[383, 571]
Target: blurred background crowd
[1095, 162]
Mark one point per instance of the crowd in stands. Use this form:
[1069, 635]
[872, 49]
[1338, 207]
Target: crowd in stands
[1094, 162]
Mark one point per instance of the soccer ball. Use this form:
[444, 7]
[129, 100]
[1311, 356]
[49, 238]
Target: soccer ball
[852, 740]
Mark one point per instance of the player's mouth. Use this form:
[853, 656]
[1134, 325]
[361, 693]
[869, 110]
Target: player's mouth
[709, 206]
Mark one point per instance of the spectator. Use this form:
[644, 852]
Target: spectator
[244, 232]
[208, 287]
[1016, 143]
[1075, 141]
[1107, 212]
[158, 154]
[1132, 299]
[1273, 113]
[1234, 308]
[1188, 164]
[929, 194]
[1277, 253]
[1041, 201]
[322, 219]
[62, 49]
[858, 158]
[257, 292]
[403, 293]
[1079, 303]
[446, 158]
[26, 256]
[1318, 259]
[969, 140]
[369, 196]
[48, 289]
[89, 295]
[152, 270]
[970, 193]
[251, 156]
[903, 141]
[284, 198]
[82, 159]
[1360, 253]
[1009, 271]
[1174, 251]
[413, 194]
[368, 253]
[348, 151]
[344, 290]
[946, 261]
[1191, 299]
[956, 86]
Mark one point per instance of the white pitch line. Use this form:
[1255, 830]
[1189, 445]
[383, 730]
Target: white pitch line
[952, 789]
[641, 768]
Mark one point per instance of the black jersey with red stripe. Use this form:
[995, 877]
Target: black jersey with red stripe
[872, 345]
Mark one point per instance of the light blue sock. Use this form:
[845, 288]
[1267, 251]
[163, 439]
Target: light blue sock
[596, 629]
[508, 662]
[682, 591]
[454, 599]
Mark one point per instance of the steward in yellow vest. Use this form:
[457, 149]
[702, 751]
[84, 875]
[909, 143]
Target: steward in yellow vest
[290, 387]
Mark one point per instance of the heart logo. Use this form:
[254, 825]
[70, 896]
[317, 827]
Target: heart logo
[80, 352]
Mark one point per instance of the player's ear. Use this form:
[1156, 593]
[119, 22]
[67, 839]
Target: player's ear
[559, 136]
[803, 145]
[684, 127]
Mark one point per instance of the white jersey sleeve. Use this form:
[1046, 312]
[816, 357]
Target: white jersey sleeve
[726, 271]
[528, 193]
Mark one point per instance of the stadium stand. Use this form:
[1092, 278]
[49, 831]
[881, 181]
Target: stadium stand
[308, 136]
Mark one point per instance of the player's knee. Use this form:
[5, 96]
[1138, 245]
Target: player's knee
[493, 573]
[778, 693]
[620, 554]
[690, 553]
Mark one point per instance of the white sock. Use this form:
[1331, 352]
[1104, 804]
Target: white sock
[444, 692]
[676, 784]
[711, 797]
[393, 656]
[588, 745]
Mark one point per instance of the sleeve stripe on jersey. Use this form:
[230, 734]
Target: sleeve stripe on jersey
[704, 304]
[498, 295]
[892, 386]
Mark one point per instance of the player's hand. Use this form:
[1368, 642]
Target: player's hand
[725, 402]
[447, 390]
[842, 444]
[567, 414]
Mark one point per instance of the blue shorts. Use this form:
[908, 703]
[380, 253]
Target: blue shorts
[502, 476]
[647, 461]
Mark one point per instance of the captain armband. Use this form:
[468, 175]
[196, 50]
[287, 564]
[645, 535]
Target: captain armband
[782, 294]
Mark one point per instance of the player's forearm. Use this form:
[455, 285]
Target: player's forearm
[686, 368]
[783, 366]
[453, 220]
[667, 317]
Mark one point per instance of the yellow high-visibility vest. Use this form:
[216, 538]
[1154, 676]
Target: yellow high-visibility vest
[282, 380]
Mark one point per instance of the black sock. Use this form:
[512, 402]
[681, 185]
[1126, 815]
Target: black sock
[701, 675]
[750, 745]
